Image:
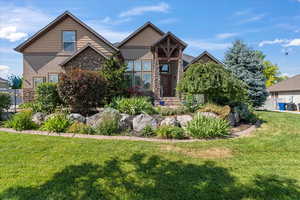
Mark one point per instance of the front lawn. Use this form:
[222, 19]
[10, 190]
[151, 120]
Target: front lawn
[265, 166]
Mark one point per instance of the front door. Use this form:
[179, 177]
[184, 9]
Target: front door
[166, 85]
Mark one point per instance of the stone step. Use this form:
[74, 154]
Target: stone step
[169, 101]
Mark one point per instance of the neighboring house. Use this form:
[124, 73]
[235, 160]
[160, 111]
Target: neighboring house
[155, 59]
[286, 91]
[3, 84]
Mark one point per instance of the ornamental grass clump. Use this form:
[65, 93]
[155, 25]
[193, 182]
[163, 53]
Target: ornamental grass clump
[81, 128]
[133, 105]
[170, 132]
[222, 111]
[21, 121]
[207, 127]
[58, 123]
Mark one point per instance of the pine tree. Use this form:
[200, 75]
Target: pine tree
[247, 65]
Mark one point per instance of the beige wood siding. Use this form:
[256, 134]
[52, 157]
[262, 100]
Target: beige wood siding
[144, 38]
[51, 41]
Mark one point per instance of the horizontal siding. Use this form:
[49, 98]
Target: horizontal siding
[146, 37]
[51, 41]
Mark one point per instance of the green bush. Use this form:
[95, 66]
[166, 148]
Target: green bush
[207, 127]
[193, 102]
[246, 113]
[167, 111]
[81, 128]
[21, 121]
[133, 105]
[4, 102]
[108, 126]
[58, 123]
[47, 98]
[170, 132]
[222, 111]
[82, 90]
[148, 131]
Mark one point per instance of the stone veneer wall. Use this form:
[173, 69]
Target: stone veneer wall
[88, 59]
[28, 94]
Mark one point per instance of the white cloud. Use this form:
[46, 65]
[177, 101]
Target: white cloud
[252, 19]
[294, 42]
[168, 21]
[242, 12]
[226, 35]
[110, 21]
[4, 71]
[18, 22]
[270, 42]
[200, 44]
[161, 7]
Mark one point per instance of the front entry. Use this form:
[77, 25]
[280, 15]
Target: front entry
[168, 76]
[166, 85]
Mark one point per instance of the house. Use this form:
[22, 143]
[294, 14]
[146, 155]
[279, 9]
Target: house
[3, 84]
[286, 91]
[155, 59]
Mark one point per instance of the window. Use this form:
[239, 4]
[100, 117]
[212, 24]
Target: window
[38, 80]
[164, 68]
[138, 73]
[53, 78]
[69, 39]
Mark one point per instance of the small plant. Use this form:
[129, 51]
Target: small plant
[148, 131]
[193, 102]
[133, 106]
[170, 132]
[222, 111]
[21, 121]
[207, 127]
[81, 128]
[167, 111]
[4, 102]
[108, 126]
[58, 123]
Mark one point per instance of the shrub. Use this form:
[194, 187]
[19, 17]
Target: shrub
[81, 128]
[4, 102]
[170, 132]
[108, 126]
[81, 90]
[246, 113]
[58, 123]
[133, 105]
[193, 102]
[21, 121]
[47, 98]
[216, 83]
[222, 111]
[207, 127]
[148, 131]
[167, 111]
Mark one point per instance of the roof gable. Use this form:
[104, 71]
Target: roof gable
[202, 55]
[56, 21]
[148, 25]
[80, 51]
[290, 84]
[169, 34]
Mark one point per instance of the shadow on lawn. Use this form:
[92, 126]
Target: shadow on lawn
[153, 178]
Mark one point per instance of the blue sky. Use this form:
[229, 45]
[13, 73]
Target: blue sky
[272, 26]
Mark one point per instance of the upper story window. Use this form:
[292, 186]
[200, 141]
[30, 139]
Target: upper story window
[69, 40]
[37, 81]
[53, 78]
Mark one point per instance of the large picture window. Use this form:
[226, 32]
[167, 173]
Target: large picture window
[69, 40]
[139, 73]
[37, 81]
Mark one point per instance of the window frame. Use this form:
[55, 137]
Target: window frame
[140, 72]
[62, 40]
[52, 73]
[33, 82]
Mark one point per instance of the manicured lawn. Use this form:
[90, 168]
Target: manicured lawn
[265, 166]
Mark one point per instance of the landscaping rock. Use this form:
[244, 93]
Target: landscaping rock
[96, 119]
[38, 118]
[231, 119]
[125, 122]
[92, 120]
[169, 121]
[6, 116]
[143, 120]
[237, 117]
[49, 116]
[76, 117]
[183, 119]
[209, 114]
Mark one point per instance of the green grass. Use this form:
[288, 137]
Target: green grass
[264, 167]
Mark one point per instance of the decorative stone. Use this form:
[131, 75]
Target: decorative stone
[125, 122]
[96, 119]
[231, 119]
[237, 117]
[38, 118]
[76, 117]
[183, 119]
[143, 120]
[209, 114]
[6, 116]
[92, 120]
[169, 121]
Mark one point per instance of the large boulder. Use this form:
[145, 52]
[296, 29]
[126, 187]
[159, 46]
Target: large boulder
[76, 117]
[143, 120]
[231, 119]
[107, 113]
[183, 119]
[209, 114]
[38, 118]
[125, 122]
[6, 116]
[169, 121]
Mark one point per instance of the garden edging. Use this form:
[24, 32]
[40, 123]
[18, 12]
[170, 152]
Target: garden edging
[245, 133]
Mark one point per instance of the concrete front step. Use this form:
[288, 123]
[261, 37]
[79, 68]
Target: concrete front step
[169, 101]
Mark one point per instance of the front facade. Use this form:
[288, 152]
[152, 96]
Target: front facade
[155, 59]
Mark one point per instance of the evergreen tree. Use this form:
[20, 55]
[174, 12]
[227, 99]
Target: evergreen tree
[247, 65]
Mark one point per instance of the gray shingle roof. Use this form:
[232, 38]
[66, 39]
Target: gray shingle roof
[291, 84]
[3, 80]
